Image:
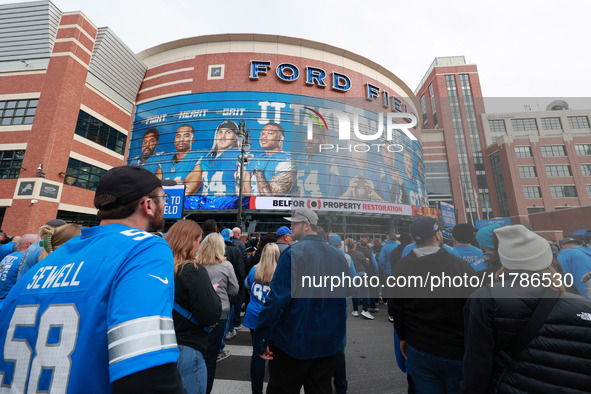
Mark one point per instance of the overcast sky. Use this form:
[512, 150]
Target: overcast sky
[539, 50]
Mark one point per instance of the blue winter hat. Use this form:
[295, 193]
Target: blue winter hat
[485, 236]
[283, 230]
[227, 234]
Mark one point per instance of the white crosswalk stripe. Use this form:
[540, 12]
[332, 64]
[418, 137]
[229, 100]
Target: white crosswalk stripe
[222, 386]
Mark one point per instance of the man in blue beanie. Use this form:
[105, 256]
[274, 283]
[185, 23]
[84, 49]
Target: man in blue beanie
[484, 236]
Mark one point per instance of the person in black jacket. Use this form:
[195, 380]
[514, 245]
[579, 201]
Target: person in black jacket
[362, 267]
[195, 294]
[372, 270]
[558, 357]
[429, 322]
[396, 255]
[238, 242]
[235, 257]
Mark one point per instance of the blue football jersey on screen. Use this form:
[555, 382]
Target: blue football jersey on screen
[313, 176]
[178, 171]
[270, 166]
[97, 309]
[152, 163]
[218, 173]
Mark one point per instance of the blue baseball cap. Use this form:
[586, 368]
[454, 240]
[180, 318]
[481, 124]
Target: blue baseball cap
[425, 227]
[227, 234]
[283, 230]
[335, 240]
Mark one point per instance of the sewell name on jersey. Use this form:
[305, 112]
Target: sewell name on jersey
[55, 276]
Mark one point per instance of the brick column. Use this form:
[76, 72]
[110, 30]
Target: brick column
[52, 132]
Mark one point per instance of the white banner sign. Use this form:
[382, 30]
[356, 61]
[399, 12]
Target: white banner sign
[287, 203]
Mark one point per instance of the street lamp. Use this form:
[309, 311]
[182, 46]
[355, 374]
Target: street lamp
[243, 138]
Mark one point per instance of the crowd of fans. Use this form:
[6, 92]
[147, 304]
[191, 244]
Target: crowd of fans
[163, 309]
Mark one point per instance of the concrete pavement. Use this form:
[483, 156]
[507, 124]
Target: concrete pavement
[371, 366]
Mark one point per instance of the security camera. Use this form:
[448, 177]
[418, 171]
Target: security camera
[40, 168]
[34, 201]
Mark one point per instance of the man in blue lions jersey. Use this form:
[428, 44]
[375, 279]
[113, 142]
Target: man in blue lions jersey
[463, 234]
[182, 165]
[31, 256]
[218, 168]
[96, 314]
[272, 172]
[9, 264]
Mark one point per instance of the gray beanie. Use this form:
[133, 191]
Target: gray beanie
[522, 249]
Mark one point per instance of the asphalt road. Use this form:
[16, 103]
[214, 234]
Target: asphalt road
[371, 365]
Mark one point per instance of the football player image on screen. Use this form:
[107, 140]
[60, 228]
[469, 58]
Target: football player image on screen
[218, 168]
[390, 175]
[272, 172]
[181, 166]
[356, 177]
[149, 159]
[411, 190]
[314, 166]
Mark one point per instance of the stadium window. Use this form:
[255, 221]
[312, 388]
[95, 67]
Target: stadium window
[81, 219]
[100, 133]
[18, 112]
[11, 162]
[81, 174]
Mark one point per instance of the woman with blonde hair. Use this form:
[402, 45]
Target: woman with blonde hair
[53, 238]
[197, 305]
[257, 284]
[211, 255]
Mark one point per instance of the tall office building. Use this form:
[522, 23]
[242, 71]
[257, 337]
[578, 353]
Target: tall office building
[541, 160]
[453, 141]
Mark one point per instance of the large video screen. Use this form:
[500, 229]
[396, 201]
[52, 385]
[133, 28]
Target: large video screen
[300, 147]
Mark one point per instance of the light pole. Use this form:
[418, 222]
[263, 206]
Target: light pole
[243, 138]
